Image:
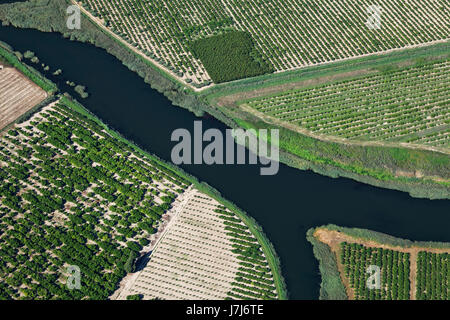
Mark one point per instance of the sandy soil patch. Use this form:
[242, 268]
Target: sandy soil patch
[17, 95]
[191, 259]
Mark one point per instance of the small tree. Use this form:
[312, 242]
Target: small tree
[129, 265]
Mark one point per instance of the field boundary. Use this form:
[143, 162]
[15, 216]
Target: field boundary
[206, 88]
[328, 69]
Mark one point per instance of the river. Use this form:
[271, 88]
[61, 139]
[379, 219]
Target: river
[285, 205]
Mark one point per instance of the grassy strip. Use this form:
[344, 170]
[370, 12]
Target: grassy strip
[253, 226]
[257, 231]
[41, 16]
[331, 287]
[362, 162]
[380, 69]
[146, 61]
[28, 71]
[386, 239]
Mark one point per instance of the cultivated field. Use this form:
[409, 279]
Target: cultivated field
[205, 253]
[406, 105]
[407, 272]
[433, 276]
[17, 95]
[71, 194]
[395, 284]
[287, 33]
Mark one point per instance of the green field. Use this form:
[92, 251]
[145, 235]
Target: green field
[288, 33]
[394, 266]
[433, 276]
[350, 257]
[73, 195]
[368, 164]
[396, 105]
[230, 56]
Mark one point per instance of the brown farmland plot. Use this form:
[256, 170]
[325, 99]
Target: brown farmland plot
[17, 95]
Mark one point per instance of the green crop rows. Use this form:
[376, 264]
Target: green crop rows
[254, 280]
[288, 33]
[230, 56]
[72, 195]
[433, 276]
[411, 105]
[395, 269]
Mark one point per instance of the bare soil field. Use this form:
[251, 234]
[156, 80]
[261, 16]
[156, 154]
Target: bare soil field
[195, 258]
[334, 238]
[17, 95]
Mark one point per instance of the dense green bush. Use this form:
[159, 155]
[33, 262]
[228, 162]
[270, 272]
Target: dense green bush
[230, 56]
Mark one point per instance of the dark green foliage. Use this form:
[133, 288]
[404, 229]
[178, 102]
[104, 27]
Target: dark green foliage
[331, 287]
[230, 56]
[254, 279]
[55, 188]
[433, 276]
[51, 16]
[395, 271]
[129, 266]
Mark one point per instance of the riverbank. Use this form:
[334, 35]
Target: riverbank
[326, 242]
[150, 120]
[299, 151]
[255, 228]
[39, 79]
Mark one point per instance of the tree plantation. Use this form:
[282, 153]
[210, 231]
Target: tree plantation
[73, 195]
[408, 104]
[367, 265]
[206, 253]
[287, 33]
[394, 266]
[433, 276]
[230, 56]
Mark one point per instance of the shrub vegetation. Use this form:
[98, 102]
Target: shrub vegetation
[230, 56]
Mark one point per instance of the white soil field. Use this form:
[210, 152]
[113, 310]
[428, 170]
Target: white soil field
[192, 260]
[17, 95]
